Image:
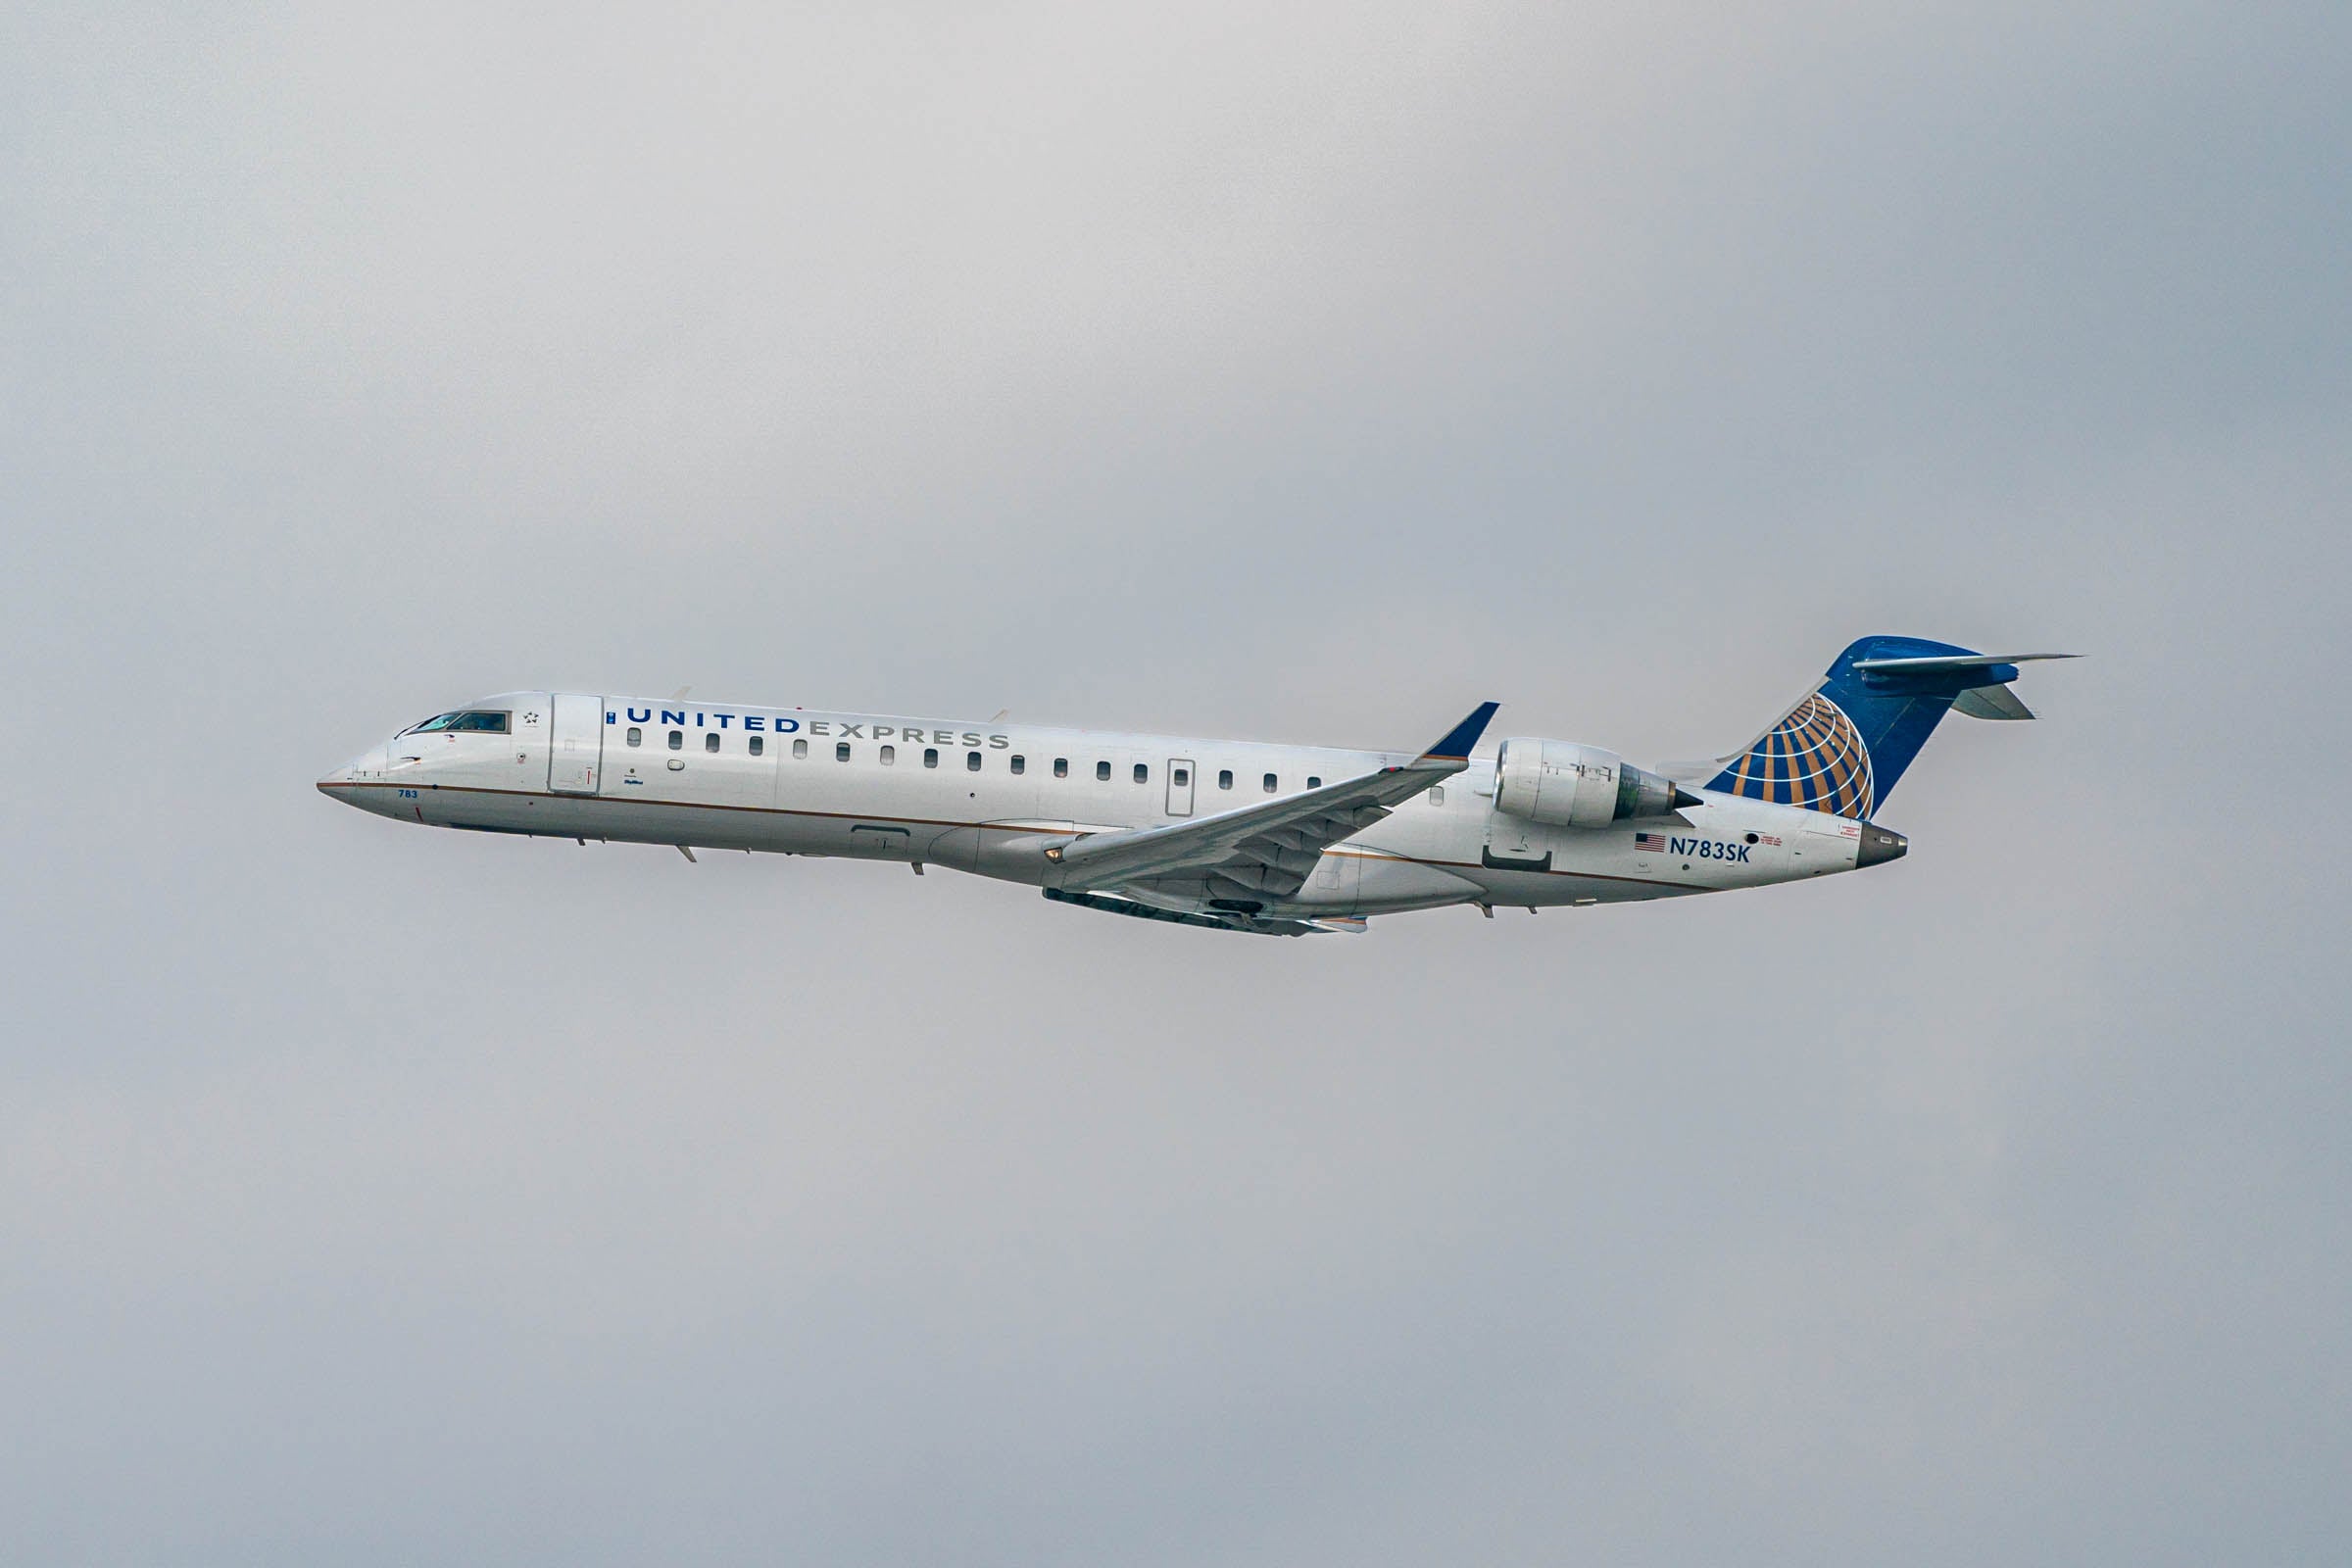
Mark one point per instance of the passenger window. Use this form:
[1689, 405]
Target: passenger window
[890, 756]
[759, 744]
[678, 740]
[1020, 764]
[710, 741]
[636, 736]
[930, 757]
[1270, 784]
[1224, 778]
[841, 751]
[1061, 767]
[1313, 783]
[800, 747]
[1182, 778]
[1102, 772]
[1142, 774]
[972, 761]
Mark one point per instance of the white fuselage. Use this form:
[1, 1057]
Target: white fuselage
[991, 799]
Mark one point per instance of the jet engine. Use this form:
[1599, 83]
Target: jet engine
[1568, 785]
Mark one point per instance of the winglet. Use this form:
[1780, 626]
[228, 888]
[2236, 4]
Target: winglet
[1455, 747]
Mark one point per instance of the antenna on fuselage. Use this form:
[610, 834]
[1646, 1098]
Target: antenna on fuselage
[679, 695]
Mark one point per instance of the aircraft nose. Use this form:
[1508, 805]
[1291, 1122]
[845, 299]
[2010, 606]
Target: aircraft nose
[1880, 845]
[337, 782]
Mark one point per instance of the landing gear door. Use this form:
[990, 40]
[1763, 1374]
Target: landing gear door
[576, 750]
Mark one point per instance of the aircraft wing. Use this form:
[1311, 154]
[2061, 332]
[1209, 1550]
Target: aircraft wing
[1255, 854]
[1218, 920]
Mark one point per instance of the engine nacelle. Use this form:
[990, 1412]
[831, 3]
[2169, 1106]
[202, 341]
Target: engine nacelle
[1568, 785]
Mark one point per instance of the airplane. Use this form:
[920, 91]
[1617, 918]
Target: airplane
[1230, 835]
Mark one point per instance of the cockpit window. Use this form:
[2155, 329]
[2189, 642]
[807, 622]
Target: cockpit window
[463, 719]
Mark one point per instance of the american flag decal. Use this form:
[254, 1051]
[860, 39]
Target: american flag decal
[1650, 843]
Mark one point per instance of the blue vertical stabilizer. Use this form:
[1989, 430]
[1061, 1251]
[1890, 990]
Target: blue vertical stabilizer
[1841, 748]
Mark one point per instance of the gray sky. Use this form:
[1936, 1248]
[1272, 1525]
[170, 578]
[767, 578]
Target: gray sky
[387, 1195]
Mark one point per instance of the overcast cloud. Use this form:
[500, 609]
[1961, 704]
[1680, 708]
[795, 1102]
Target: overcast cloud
[380, 1196]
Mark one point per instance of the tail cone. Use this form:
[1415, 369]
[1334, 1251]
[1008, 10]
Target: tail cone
[1878, 844]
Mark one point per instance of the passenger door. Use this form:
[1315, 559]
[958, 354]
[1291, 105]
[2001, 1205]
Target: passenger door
[576, 751]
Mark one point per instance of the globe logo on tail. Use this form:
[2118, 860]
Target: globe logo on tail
[1814, 758]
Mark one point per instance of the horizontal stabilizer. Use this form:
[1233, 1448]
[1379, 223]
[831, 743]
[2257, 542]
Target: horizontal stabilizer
[1948, 664]
[1991, 701]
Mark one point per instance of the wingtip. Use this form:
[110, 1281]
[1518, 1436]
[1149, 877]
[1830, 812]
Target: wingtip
[1456, 745]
